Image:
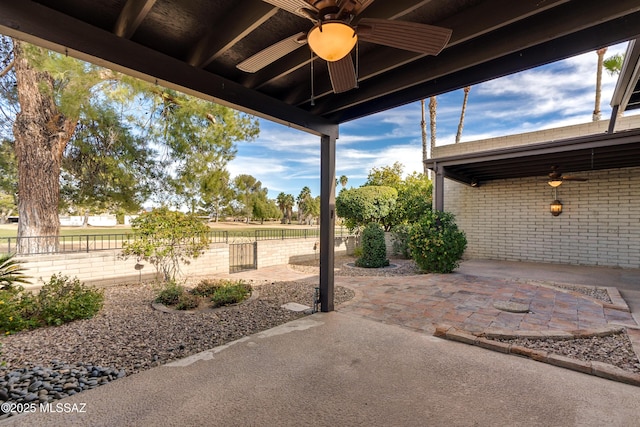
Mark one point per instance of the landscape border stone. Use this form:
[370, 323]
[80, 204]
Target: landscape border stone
[599, 369]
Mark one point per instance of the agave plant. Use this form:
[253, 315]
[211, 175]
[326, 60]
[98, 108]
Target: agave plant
[11, 272]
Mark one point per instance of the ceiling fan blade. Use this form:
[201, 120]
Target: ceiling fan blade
[412, 36]
[272, 53]
[298, 7]
[342, 74]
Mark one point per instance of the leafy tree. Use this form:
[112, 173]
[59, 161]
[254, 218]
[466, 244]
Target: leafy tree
[264, 208]
[105, 167]
[371, 203]
[414, 199]
[248, 191]
[46, 95]
[215, 191]
[8, 168]
[343, 180]
[389, 176]
[167, 239]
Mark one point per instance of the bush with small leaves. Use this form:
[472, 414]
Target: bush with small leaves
[208, 287]
[170, 293]
[187, 301]
[436, 243]
[17, 309]
[231, 294]
[63, 299]
[374, 249]
[400, 244]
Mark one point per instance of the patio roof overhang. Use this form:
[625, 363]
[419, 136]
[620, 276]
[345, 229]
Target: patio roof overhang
[593, 152]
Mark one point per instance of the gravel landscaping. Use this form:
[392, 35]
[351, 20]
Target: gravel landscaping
[129, 336]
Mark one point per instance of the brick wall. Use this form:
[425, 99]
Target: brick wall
[108, 267]
[510, 219]
[278, 252]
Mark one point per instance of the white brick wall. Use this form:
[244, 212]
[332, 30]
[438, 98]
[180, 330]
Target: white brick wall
[510, 219]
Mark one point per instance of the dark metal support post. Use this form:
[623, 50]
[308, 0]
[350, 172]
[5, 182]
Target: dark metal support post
[612, 120]
[327, 218]
[438, 189]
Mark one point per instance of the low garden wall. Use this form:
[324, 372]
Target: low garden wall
[104, 268]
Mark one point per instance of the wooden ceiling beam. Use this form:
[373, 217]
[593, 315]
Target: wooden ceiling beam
[246, 16]
[131, 16]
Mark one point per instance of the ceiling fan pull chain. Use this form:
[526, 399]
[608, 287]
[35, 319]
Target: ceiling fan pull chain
[313, 101]
[357, 64]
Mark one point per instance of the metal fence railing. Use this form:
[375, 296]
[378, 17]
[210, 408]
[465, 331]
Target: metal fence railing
[105, 242]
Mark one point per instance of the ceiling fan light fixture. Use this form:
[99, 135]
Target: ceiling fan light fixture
[332, 40]
[555, 182]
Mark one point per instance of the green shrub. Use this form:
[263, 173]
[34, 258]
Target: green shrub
[400, 245]
[231, 294]
[17, 310]
[357, 251]
[208, 287]
[62, 300]
[170, 293]
[187, 301]
[435, 242]
[374, 250]
[11, 272]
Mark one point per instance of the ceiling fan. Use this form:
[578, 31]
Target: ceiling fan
[556, 178]
[333, 37]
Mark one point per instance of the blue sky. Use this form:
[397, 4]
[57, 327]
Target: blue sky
[554, 95]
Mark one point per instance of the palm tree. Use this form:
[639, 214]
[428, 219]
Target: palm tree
[433, 105]
[304, 195]
[343, 181]
[596, 110]
[280, 200]
[289, 201]
[613, 64]
[423, 128]
[464, 109]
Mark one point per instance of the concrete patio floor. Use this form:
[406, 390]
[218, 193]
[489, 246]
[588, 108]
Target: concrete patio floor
[375, 362]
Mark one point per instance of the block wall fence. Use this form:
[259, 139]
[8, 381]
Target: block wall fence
[104, 268]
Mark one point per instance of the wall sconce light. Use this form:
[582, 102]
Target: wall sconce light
[555, 208]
